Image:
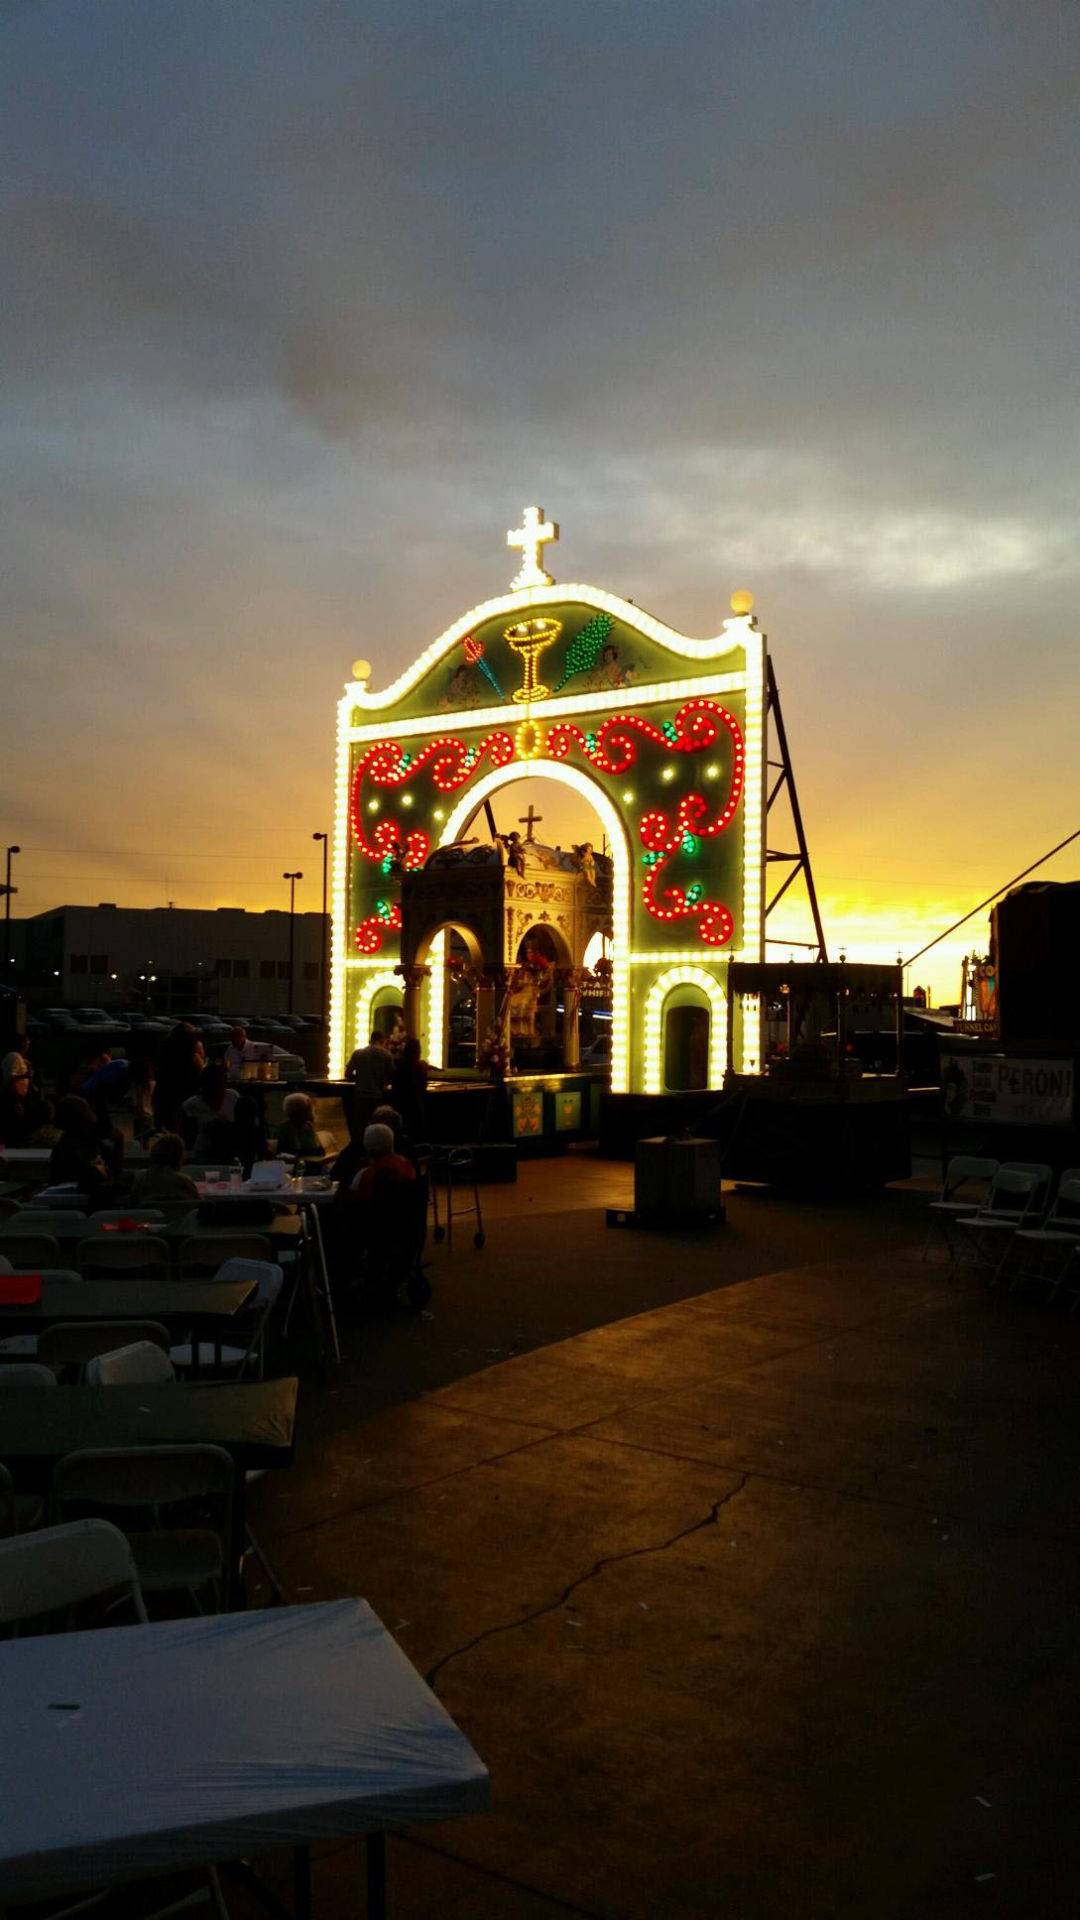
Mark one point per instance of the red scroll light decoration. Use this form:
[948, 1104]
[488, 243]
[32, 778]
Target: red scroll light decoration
[613, 750]
[387, 765]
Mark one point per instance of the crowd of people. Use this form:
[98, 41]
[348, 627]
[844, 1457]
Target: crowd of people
[183, 1105]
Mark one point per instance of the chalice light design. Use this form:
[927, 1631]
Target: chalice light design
[528, 639]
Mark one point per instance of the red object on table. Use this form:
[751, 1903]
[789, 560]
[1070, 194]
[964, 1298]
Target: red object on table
[20, 1289]
[127, 1226]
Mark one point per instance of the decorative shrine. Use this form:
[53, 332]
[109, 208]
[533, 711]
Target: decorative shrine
[661, 734]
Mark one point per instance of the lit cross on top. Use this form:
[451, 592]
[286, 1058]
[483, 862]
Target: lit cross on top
[530, 538]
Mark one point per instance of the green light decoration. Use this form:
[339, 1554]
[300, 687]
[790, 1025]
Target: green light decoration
[694, 893]
[671, 730]
[382, 908]
[691, 844]
[585, 648]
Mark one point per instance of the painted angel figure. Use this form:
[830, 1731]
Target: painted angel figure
[586, 861]
[515, 851]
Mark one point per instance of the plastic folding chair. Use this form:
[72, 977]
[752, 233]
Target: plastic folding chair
[130, 1480]
[251, 1211]
[141, 1364]
[269, 1280]
[1017, 1196]
[55, 1569]
[1054, 1242]
[28, 1374]
[18, 1511]
[112, 1216]
[41, 1220]
[203, 1253]
[29, 1252]
[965, 1188]
[8, 1208]
[119, 1256]
[73, 1343]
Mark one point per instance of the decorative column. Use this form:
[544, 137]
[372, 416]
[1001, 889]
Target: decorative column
[490, 994]
[572, 978]
[413, 980]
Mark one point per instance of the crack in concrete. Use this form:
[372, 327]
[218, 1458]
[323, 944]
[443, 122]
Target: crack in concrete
[609, 1560]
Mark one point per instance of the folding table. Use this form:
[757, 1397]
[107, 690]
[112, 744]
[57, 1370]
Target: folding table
[283, 1727]
[253, 1420]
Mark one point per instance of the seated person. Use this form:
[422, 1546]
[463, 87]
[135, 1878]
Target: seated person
[366, 1215]
[78, 1158]
[238, 1050]
[385, 1169]
[22, 1111]
[352, 1159]
[163, 1179]
[207, 1118]
[296, 1134]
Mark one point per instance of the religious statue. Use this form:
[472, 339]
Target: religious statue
[515, 851]
[586, 861]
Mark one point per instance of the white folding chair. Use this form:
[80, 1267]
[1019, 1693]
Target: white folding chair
[269, 1279]
[26, 1373]
[142, 1364]
[965, 1188]
[1017, 1197]
[125, 1479]
[57, 1568]
[18, 1511]
[1054, 1243]
[74, 1343]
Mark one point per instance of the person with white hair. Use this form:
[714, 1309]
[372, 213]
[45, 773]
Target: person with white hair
[365, 1216]
[297, 1134]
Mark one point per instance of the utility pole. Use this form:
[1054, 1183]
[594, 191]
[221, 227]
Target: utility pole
[8, 891]
[324, 982]
[292, 879]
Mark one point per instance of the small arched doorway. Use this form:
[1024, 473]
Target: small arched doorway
[687, 1032]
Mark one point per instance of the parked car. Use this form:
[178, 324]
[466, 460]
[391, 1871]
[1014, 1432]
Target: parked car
[97, 1017]
[598, 1051]
[209, 1023]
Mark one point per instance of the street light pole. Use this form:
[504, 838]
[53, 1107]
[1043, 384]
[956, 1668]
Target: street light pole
[325, 838]
[7, 910]
[292, 879]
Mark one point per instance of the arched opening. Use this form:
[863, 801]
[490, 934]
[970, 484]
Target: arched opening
[687, 1028]
[575, 813]
[685, 1016]
[455, 959]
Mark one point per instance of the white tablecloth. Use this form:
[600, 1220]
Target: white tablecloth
[137, 1750]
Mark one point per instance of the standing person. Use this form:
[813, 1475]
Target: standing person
[371, 1071]
[139, 1099]
[179, 1073]
[408, 1090]
[208, 1117]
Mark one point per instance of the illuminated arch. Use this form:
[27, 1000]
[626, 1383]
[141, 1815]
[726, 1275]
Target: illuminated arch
[463, 720]
[621, 857]
[374, 984]
[715, 994]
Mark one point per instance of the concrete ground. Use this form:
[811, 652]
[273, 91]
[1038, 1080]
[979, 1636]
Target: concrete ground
[747, 1562]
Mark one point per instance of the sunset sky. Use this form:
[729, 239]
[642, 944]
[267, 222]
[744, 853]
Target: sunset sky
[303, 303]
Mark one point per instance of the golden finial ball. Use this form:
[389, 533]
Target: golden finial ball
[361, 669]
[742, 602]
